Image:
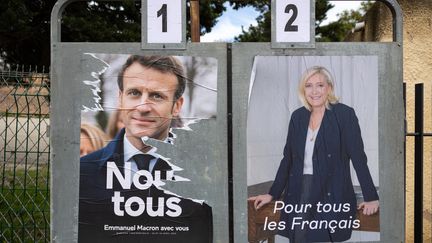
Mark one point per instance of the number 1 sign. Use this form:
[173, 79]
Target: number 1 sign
[292, 22]
[163, 23]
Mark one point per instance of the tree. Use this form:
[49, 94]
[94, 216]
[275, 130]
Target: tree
[338, 30]
[259, 33]
[121, 21]
[210, 11]
[25, 25]
[24, 31]
[262, 32]
[335, 31]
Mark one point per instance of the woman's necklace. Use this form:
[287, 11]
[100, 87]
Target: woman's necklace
[314, 127]
[314, 132]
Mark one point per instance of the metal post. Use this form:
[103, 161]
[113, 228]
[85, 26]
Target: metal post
[230, 142]
[418, 164]
[405, 120]
[195, 20]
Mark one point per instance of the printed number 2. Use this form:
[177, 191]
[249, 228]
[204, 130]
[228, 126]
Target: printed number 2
[289, 26]
[163, 12]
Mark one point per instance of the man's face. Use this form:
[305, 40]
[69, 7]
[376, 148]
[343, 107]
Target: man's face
[147, 102]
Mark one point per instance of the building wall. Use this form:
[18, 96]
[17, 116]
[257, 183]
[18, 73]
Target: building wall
[417, 57]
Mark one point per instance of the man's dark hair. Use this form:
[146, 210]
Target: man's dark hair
[164, 64]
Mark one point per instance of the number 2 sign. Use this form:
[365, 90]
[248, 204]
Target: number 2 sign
[292, 20]
[164, 21]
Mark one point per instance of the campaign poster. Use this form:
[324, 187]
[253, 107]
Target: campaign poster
[136, 100]
[312, 149]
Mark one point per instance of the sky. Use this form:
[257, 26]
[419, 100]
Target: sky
[230, 23]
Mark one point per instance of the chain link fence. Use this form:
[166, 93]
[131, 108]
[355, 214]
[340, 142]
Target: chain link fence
[24, 155]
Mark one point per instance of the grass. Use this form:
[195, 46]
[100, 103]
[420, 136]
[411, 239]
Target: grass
[24, 205]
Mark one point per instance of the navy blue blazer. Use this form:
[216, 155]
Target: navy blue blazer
[338, 141]
[96, 208]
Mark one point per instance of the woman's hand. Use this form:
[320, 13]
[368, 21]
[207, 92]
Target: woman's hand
[369, 208]
[261, 200]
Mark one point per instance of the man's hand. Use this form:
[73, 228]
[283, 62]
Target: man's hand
[369, 208]
[261, 200]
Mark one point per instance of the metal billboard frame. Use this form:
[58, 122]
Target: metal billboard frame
[235, 64]
[67, 62]
[390, 121]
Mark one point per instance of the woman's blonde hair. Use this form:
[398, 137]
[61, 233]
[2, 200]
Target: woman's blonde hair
[331, 98]
[98, 138]
[112, 128]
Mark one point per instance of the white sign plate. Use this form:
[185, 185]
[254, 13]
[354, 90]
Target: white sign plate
[293, 20]
[164, 21]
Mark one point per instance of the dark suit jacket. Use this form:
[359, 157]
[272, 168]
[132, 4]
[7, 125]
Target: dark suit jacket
[338, 141]
[96, 209]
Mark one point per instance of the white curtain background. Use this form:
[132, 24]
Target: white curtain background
[273, 97]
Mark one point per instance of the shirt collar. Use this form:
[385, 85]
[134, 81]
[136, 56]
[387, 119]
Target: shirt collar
[130, 150]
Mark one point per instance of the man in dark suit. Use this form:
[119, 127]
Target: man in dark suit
[120, 194]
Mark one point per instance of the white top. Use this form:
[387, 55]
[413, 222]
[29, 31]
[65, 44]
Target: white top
[309, 149]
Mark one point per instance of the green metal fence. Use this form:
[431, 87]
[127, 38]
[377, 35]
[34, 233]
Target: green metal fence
[24, 155]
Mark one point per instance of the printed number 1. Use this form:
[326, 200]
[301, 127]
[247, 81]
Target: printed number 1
[289, 26]
[163, 12]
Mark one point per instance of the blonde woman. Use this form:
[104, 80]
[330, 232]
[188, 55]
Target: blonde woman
[115, 124]
[323, 137]
[92, 138]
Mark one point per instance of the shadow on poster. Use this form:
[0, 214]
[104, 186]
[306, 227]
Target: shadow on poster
[312, 149]
[135, 100]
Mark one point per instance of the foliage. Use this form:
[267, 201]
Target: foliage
[259, 33]
[102, 22]
[335, 31]
[25, 25]
[121, 21]
[262, 32]
[24, 31]
[338, 30]
[24, 207]
[210, 11]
